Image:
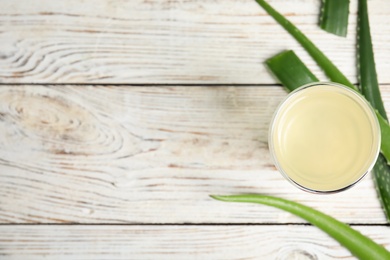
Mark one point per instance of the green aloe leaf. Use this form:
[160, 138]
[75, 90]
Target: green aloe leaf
[290, 70]
[359, 245]
[329, 68]
[382, 179]
[366, 63]
[385, 132]
[334, 16]
[370, 89]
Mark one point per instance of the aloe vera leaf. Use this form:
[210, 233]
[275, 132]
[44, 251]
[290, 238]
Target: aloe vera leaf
[366, 63]
[385, 133]
[329, 68]
[290, 70]
[381, 170]
[334, 16]
[381, 173]
[359, 245]
[370, 89]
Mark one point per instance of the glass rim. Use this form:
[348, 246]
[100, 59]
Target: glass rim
[375, 126]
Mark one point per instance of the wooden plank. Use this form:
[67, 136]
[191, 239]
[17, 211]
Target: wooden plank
[195, 41]
[149, 155]
[175, 242]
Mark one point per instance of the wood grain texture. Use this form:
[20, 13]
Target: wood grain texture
[195, 41]
[175, 242]
[149, 155]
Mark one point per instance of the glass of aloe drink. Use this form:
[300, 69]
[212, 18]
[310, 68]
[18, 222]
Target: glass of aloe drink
[324, 137]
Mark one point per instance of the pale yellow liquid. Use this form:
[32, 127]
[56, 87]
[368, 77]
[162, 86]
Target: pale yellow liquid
[325, 138]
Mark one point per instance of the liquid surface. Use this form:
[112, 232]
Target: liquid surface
[325, 138]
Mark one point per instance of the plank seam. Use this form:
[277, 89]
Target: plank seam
[141, 84]
[186, 224]
[154, 84]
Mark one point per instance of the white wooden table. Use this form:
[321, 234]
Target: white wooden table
[119, 118]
